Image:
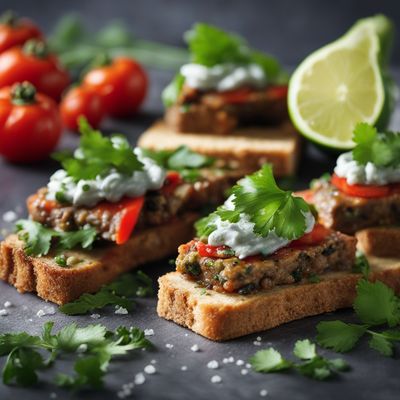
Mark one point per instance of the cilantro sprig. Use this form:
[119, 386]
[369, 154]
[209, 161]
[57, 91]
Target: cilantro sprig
[38, 239]
[93, 346]
[375, 305]
[381, 149]
[97, 155]
[268, 207]
[311, 365]
[119, 292]
[182, 160]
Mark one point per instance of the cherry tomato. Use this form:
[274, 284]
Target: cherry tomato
[129, 209]
[82, 100]
[16, 31]
[30, 124]
[33, 63]
[365, 191]
[122, 84]
[207, 250]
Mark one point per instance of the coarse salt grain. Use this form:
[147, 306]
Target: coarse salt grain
[216, 379]
[231, 360]
[256, 343]
[7, 304]
[95, 316]
[248, 365]
[3, 312]
[213, 364]
[184, 368]
[153, 362]
[121, 311]
[244, 371]
[263, 392]
[47, 310]
[195, 348]
[239, 362]
[140, 379]
[10, 216]
[148, 332]
[258, 339]
[53, 395]
[150, 369]
[169, 346]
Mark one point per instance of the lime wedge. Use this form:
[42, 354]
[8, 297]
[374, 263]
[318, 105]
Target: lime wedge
[341, 84]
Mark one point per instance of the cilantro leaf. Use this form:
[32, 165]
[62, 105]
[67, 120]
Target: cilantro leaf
[38, 239]
[171, 92]
[376, 303]
[381, 344]
[21, 366]
[271, 67]
[269, 360]
[88, 372]
[361, 264]
[338, 335]
[97, 155]
[118, 293]
[316, 368]
[268, 207]
[210, 46]
[9, 341]
[304, 349]
[381, 149]
[71, 337]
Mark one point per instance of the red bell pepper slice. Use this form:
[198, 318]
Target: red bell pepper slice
[206, 250]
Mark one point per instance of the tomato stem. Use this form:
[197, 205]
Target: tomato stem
[9, 18]
[23, 93]
[36, 48]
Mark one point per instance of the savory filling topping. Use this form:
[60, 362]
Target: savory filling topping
[374, 161]
[258, 218]
[221, 61]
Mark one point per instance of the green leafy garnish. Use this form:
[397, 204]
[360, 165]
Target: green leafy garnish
[97, 155]
[312, 365]
[211, 46]
[381, 149]
[375, 304]
[119, 293]
[25, 353]
[268, 207]
[182, 160]
[38, 239]
[361, 264]
[171, 92]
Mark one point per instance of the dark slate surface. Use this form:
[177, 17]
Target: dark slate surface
[372, 375]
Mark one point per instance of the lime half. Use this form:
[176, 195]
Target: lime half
[337, 86]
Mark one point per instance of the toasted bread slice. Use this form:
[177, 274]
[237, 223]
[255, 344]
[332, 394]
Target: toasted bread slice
[220, 316]
[246, 148]
[380, 241]
[96, 268]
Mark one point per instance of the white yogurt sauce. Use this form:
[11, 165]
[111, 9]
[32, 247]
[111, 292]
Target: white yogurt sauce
[112, 187]
[240, 236]
[368, 174]
[223, 77]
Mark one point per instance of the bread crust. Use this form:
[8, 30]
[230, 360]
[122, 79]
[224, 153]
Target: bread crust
[220, 316]
[99, 266]
[380, 241]
[246, 148]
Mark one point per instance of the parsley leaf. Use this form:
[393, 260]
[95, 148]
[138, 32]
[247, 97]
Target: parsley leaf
[376, 303]
[38, 239]
[97, 155]
[119, 292]
[269, 360]
[268, 207]
[381, 149]
[338, 335]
